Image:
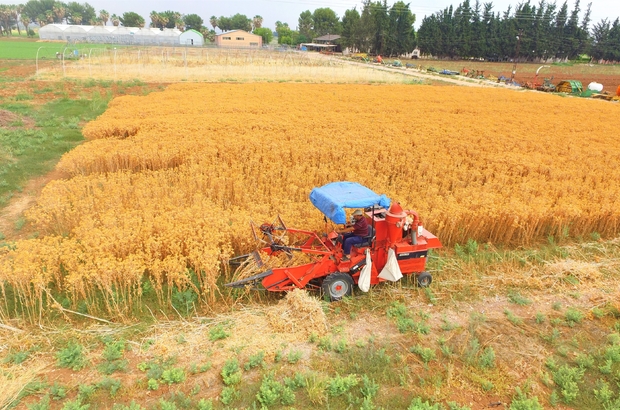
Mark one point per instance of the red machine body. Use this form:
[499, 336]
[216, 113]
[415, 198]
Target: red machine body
[394, 228]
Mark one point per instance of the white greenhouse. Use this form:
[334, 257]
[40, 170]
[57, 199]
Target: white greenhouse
[192, 38]
[120, 35]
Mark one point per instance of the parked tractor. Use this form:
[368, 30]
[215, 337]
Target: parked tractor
[397, 245]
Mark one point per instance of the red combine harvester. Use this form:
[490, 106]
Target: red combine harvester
[397, 245]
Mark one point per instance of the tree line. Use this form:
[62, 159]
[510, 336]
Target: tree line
[534, 32]
[377, 28]
[531, 32]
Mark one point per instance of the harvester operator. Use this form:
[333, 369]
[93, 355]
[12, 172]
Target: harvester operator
[353, 234]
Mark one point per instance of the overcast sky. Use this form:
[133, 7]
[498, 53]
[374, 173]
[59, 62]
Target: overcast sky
[288, 10]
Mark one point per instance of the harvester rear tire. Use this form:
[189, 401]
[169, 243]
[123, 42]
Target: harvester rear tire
[424, 279]
[337, 286]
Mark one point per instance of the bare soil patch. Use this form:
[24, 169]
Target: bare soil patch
[20, 202]
[11, 120]
[608, 75]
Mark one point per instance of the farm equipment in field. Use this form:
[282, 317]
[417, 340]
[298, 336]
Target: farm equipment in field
[397, 245]
[545, 86]
[569, 87]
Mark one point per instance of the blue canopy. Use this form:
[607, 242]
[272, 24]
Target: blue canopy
[331, 199]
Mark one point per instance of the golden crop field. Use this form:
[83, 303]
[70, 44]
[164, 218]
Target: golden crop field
[167, 183]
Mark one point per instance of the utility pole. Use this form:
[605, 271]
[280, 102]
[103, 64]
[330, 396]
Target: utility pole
[514, 66]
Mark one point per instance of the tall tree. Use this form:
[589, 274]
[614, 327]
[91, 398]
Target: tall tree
[241, 22]
[104, 16]
[366, 28]
[25, 20]
[491, 29]
[285, 34]
[571, 33]
[305, 24]
[155, 20]
[350, 28]
[614, 39]
[131, 19]
[59, 12]
[430, 36]
[37, 10]
[224, 23]
[546, 47]
[171, 18]
[462, 25]
[265, 33]
[585, 41]
[401, 35]
[193, 22]
[214, 22]
[380, 27]
[478, 32]
[325, 21]
[257, 22]
[179, 22]
[5, 20]
[536, 33]
[600, 39]
[558, 42]
[78, 13]
[524, 23]
[14, 10]
[236, 22]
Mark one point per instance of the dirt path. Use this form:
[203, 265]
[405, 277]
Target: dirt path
[412, 72]
[12, 214]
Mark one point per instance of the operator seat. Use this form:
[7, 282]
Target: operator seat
[367, 239]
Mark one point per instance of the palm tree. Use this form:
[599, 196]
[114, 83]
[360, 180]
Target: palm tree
[42, 20]
[14, 12]
[115, 20]
[155, 19]
[178, 20]
[60, 12]
[214, 22]
[104, 16]
[49, 16]
[25, 20]
[257, 22]
[5, 17]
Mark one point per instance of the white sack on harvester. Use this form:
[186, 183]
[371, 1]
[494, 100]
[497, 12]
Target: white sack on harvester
[364, 281]
[391, 270]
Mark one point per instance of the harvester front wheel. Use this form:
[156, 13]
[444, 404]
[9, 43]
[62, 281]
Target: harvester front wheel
[337, 285]
[424, 279]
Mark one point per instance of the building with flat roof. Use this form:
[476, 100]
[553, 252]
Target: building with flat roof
[238, 39]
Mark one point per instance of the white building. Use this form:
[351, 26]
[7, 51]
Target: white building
[192, 38]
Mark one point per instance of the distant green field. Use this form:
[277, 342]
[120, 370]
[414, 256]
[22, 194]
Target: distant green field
[27, 50]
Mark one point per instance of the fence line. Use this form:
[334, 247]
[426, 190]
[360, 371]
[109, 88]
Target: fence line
[180, 63]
